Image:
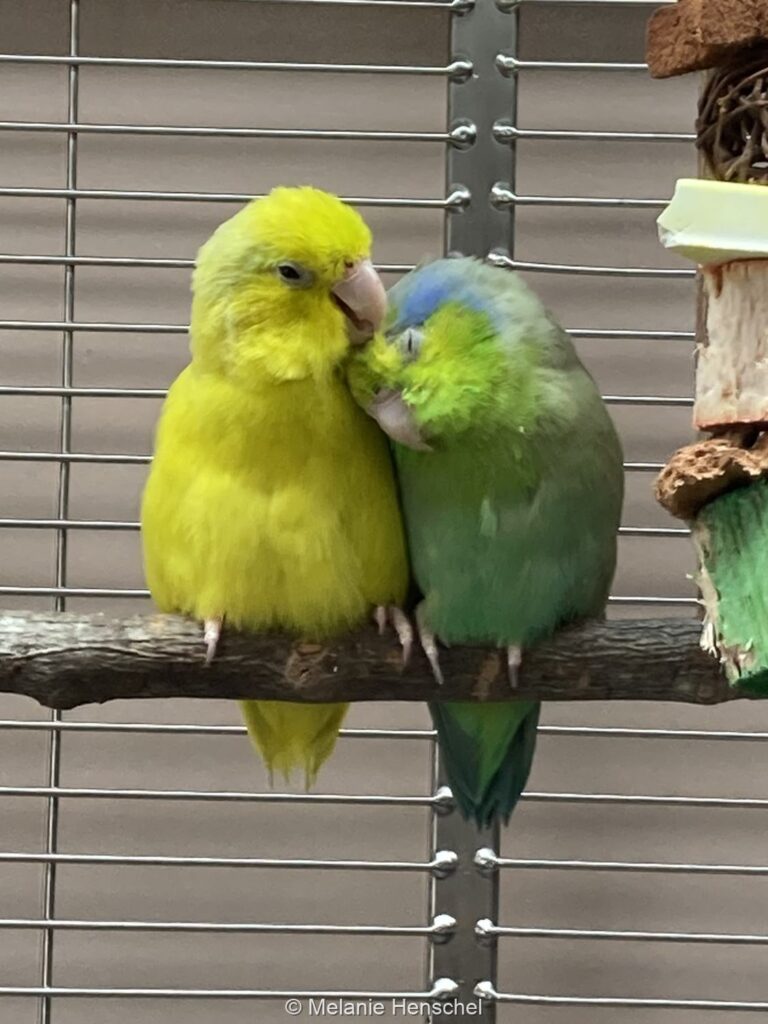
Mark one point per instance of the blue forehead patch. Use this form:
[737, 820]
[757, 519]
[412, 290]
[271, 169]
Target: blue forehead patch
[416, 297]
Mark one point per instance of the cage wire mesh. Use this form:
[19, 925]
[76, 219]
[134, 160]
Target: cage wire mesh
[633, 880]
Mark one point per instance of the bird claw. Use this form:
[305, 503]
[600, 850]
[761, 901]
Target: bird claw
[429, 646]
[211, 637]
[514, 661]
[386, 614]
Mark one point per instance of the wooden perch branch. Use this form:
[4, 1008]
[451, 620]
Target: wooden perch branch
[64, 660]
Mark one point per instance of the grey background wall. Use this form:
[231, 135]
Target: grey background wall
[97, 558]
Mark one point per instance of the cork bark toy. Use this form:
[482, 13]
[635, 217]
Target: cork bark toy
[694, 35]
[720, 222]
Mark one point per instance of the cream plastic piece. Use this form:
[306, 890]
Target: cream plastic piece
[716, 221]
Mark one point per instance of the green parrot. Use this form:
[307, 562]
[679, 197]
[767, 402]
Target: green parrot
[511, 481]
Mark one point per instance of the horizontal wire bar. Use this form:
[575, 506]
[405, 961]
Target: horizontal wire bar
[487, 929]
[510, 65]
[141, 261]
[134, 328]
[593, 271]
[57, 391]
[440, 799]
[644, 800]
[609, 334]
[46, 391]
[626, 1002]
[23, 259]
[73, 592]
[69, 524]
[87, 457]
[21, 456]
[221, 132]
[509, 132]
[630, 867]
[453, 201]
[652, 734]
[163, 728]
[132, 525]
[455, 67]
[590, 731]
[609, 202]
[643, 531]
[441, 862]
[94, 592]
[643, 467]
[208, 927]
[57, 992]
[80, 325]
[663, 400]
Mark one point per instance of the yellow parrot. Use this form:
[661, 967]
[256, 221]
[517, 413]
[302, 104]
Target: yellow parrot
[271, 500]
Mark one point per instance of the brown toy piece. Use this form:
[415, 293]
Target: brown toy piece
[693, 35]
[731, 131]
[701, 472]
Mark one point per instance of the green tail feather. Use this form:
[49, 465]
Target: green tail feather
[487, 751]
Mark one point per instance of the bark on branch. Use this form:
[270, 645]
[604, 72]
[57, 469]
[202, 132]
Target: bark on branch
[64, 660]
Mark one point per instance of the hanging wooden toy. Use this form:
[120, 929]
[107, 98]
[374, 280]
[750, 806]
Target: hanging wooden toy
[720, 222]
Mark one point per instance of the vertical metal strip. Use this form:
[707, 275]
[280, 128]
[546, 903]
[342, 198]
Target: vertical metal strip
[481, 107]
[468, 896]
[62, 507]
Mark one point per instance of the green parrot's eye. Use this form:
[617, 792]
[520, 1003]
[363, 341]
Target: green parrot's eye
[294, 275]
[409, 343]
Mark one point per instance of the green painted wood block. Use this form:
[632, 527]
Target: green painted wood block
[731, 538]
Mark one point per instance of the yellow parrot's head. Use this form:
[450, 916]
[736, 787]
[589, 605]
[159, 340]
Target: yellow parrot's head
[284, 287]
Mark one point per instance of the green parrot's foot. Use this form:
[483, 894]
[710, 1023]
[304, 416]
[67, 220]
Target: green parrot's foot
[211, 637]
[514, 661]
[429, 645]
[390, 613]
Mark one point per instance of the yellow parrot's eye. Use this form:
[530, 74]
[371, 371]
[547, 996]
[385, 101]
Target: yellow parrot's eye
[294, 275]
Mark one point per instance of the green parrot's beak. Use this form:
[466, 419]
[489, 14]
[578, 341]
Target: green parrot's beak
[396, 419]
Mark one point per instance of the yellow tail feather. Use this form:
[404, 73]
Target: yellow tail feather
[289, 736]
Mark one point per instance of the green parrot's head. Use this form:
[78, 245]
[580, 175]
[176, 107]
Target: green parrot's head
[443, 363]
[284, 287]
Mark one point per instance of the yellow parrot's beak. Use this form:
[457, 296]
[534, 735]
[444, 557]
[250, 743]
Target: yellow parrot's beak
[361, 297]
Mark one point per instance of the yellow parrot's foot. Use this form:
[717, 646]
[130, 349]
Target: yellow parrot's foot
[390, 613]
[211, 637]
[514, 661]
[429, 645]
